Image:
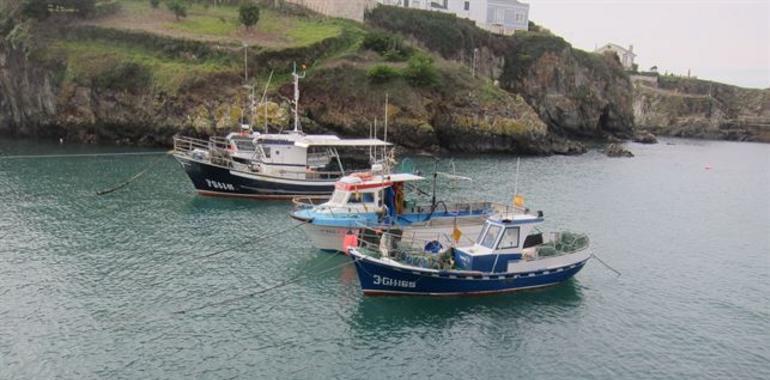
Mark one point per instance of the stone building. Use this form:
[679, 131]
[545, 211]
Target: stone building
[626, 56]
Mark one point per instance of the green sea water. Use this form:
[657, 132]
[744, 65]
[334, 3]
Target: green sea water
[118, 286]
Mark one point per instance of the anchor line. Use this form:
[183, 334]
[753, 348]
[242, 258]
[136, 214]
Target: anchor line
[133, 178]
[290, 281]
[251, 241]
[79, 155]
[605, 264]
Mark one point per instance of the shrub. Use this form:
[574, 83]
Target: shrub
[420, 71]
[128, 76]
[154, 3]
[249, 15]
[178, 7]
[382, 74]
[391, 46]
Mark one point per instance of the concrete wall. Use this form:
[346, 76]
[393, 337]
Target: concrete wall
[350, 9]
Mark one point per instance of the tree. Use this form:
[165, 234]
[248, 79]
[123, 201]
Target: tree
[178, 7]
[154, 3]
[249, 15]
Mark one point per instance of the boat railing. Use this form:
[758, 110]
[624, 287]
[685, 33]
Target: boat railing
[306, 202]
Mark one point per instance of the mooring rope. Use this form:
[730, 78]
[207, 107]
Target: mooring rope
[133, 178]
[605, 264]
[290, 281]
[78, 155]
[263, 237]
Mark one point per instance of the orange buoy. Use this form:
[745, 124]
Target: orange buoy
[351, 240]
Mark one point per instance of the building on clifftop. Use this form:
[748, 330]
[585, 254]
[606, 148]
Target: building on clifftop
[626, 56]
[497, 16]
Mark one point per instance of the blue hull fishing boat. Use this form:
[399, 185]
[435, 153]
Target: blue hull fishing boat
[510, 254]
[376, 200]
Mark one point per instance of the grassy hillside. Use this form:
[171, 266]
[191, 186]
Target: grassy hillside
[140, 47]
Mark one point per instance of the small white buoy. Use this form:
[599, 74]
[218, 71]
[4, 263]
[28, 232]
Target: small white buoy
[707, 167]
[61, 141]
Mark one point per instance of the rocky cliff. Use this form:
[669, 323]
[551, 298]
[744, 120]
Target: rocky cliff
[577, 94]
[687, 107]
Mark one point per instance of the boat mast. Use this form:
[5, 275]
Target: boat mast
[384, 148]
[297, 77]
[263, 101]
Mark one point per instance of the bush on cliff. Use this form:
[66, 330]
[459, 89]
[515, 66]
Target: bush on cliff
[450, 36]
[126, 76]
[154, 3]
[421, 72]
[382, 74]
[389, 45]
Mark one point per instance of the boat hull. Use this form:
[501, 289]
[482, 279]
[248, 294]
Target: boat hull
[378, 278]
[214, 180]
[331, 238]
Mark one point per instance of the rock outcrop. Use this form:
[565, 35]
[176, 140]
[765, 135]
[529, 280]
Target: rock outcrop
[686, 107]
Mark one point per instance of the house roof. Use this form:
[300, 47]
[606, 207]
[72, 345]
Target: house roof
[615, 47]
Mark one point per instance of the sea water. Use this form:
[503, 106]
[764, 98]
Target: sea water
[120, 285]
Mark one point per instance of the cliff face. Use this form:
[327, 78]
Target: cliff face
[576, 94]
[27, 97]
[701, 109]
[461, 115]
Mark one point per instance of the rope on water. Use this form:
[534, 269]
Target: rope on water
[292, 280]
[605, 264]
[76, 155]
[251, 241]
[133, 178]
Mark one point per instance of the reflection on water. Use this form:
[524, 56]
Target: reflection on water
[390, 313]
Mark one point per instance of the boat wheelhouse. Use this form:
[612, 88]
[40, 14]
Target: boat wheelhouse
[365, 201]
[509, 254]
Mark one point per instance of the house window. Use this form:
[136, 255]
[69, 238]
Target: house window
[510, 238]
[467, 5]
[510, 17]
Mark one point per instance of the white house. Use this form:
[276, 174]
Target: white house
[626, 55]
[498, 16]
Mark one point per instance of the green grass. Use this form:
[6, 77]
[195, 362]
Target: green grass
[88, 59]
[223, 21]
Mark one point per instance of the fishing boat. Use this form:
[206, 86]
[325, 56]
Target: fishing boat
[509, 254]
[269, 165]
[378, 200]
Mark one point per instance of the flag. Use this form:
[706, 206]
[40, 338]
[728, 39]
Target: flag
[456, 234]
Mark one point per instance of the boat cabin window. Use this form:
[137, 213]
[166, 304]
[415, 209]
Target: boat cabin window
[244, 144]
[490, 236]
[361, 198]
[338, 197]
[510, 238]
[267, 151]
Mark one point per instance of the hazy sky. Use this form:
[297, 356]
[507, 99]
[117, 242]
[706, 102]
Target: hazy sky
[725, 41]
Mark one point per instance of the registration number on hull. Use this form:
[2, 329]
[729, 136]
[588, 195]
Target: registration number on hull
[387, 281]
[219, 185]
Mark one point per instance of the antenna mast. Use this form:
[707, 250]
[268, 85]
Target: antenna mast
[297, 77]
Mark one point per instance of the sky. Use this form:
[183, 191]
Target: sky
[724, 41]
